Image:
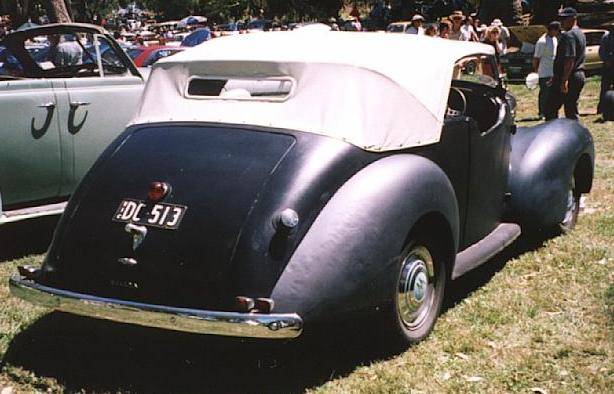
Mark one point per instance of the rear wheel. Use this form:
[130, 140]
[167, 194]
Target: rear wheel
[417, 296]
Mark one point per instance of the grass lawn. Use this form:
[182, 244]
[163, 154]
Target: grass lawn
[538, 318]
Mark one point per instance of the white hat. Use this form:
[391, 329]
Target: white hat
[417, 17]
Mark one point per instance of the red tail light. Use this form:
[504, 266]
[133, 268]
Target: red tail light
[158, 190]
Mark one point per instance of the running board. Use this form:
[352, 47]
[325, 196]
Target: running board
[31, 213]
[480, 252]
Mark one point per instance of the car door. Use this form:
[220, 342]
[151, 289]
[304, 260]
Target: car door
[30, 157]
[489, 146]
[95, 110]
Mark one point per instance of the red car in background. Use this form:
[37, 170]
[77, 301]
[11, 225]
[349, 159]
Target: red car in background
[146, 56]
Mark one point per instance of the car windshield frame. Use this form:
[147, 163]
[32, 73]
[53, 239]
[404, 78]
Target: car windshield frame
[16, 43]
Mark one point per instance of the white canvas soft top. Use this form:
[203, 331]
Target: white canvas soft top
[377, 91]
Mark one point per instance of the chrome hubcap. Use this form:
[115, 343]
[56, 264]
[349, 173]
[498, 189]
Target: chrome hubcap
[415, 287]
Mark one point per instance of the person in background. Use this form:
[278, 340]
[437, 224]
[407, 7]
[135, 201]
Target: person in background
[543, 63]
[332, 22]
[118, 36]
[416, 25]
[444, 29]
[456, 32]
[568, 79]
[353, 24]
[505, 34]
[65, 50]
[492, 37]
[432, 30]
[469, 30]
[606, 54]
[479, 27]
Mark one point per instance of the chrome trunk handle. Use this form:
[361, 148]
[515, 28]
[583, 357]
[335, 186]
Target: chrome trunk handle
[79, 103]
[47, 105]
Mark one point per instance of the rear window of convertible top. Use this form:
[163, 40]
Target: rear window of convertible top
[276, 89]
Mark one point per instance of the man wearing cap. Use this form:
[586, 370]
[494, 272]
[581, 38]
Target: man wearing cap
[416, 25]
[568, 79]
[543, 62]
[606, 54]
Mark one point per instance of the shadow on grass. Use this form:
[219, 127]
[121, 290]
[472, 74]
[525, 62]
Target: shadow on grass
[27, 237]
[462, 287]
[97, 355]
[92, 355]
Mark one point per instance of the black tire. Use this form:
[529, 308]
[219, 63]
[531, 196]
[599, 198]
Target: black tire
[607, 106]
[572, 208]
[414, 304]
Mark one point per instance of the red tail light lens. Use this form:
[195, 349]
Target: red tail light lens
[158, 190]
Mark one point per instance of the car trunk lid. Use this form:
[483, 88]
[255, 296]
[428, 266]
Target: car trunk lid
[217, 173]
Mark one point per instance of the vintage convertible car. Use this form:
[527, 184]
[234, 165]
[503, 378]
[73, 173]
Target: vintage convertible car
[261, 192]
[58, 112]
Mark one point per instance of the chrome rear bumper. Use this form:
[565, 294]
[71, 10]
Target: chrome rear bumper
[247, 325]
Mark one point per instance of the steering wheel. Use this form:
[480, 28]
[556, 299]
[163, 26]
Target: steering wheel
[457, 103]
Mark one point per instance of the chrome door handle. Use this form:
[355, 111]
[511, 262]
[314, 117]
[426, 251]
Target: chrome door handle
[75, 104]
[47, 105]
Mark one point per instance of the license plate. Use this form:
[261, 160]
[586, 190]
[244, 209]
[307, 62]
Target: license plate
[515, 69]
[167, 216]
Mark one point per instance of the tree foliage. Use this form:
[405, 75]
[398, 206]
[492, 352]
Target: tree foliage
[223, 9]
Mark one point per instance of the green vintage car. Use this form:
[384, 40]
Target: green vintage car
[66, 91]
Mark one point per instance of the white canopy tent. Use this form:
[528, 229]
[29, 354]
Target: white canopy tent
[377, 91]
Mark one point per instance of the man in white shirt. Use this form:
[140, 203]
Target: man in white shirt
[416, 25]
[543, 62]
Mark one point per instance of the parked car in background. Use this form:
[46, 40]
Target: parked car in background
[147, 56]
[518, 62]
[159, 28]
[197, 37]
[593, 41]
[245, 201]
[398, 27]
[61, 103]
[230, 29]
[259, 25]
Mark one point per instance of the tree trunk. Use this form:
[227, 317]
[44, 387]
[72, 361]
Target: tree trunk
[58, 13]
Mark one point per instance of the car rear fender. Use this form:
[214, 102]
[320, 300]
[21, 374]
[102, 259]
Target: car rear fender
[343, 263]
[543, 160]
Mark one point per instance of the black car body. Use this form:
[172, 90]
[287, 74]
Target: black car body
[269, 228]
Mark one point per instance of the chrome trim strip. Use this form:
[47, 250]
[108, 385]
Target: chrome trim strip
[31, 213]
[250, 325]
